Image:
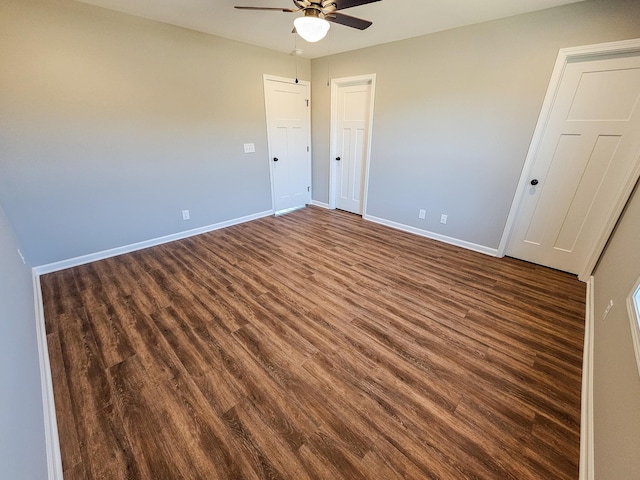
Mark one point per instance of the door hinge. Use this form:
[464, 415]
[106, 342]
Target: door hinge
[307, 148]
[307, 100]
[308, 189]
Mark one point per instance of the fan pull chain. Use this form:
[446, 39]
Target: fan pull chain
[295, 53]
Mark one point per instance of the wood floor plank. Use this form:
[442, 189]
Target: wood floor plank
[315, 345]
[108, 332]
[400, 463]
[60, 296]
[136, 402]
[71, 456]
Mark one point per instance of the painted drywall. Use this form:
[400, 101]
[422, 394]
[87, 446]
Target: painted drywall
[22, 448]
[616, 381]
[455, 112]
[111, 125]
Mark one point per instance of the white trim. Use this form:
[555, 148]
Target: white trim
[320, 204]
[633, 306]
[623, 197]
[273, 78]
[335, 84]
[93, 257]
[564, 56]
[434, 236]
[52, 442]
[586, 415]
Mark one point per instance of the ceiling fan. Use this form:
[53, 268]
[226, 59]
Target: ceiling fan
[313, 26]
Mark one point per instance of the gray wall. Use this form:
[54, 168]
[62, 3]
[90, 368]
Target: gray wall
[455, 112]
[616, 379]
[111, 125]
[22, 450]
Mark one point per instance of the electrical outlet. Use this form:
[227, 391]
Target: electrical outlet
[443, 218]
[422, 214]
[608, 309]
[186, 215]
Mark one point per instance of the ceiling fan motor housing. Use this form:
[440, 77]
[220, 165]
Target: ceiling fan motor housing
[324, 10]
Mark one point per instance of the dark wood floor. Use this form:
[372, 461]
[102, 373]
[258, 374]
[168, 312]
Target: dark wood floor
[315, 345]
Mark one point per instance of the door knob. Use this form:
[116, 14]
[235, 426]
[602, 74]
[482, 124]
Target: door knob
[275, 159]
[338, 158]
[534, 182]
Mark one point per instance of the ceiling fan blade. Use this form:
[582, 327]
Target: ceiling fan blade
[267, 8]
[342, 4]
[349, 21]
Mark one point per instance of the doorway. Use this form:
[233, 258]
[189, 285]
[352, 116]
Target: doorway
[289, 138]
[352, 100]
[583, 161]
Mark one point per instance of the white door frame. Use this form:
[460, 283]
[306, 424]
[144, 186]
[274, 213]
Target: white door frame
[335, 84]
[274, 78]
[564, 56]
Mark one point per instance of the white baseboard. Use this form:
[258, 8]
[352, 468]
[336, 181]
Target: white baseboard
[320, 204]
[52, 442]
[587, 467]
[94, 257]
[434, 236]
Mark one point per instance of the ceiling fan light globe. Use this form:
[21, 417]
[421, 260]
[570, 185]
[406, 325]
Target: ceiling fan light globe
[311, 28]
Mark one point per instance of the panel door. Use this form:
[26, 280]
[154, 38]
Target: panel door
[351, 145]
[590, 145]
[288, 127]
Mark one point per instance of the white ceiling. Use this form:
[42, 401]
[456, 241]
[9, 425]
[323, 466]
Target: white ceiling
[392, 19]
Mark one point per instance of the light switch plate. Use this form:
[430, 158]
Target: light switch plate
[249, 148]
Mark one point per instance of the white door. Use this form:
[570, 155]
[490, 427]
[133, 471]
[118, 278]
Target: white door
[288, 126]
[352, 118]
[589, 149]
